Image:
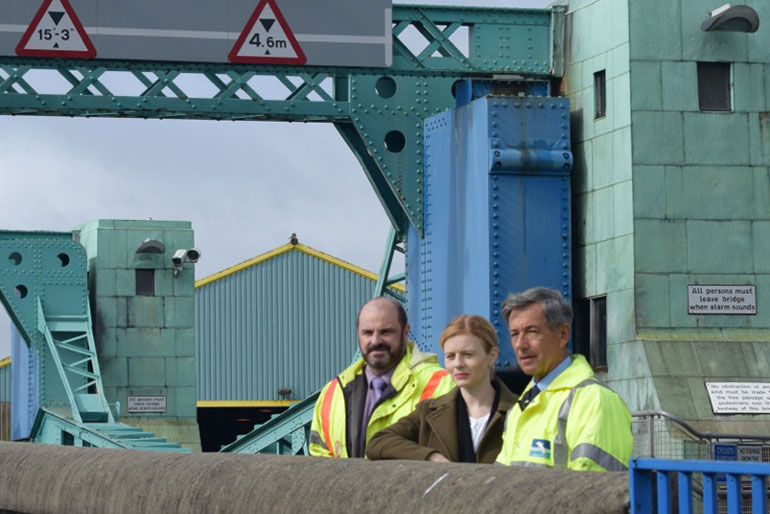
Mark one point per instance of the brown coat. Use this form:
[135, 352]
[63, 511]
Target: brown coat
[432, 427]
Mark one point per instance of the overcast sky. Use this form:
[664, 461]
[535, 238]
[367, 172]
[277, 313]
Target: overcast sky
[245, 186]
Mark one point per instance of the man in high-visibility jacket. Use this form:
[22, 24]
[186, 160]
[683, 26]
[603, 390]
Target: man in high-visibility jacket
[377, 390]
[565, 417]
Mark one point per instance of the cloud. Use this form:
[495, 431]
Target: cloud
[245, 186]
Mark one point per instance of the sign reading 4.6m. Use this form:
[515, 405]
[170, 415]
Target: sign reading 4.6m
[267, 39]
[55, 31]
[270, 42]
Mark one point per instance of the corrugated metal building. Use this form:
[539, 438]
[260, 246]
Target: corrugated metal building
[271, 331]
[5, 399]
[284, 320]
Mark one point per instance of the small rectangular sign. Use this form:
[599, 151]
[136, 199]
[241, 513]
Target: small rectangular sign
[717, 299]
[749, 453]
[725, 452]
[739, 397]
[146, 404]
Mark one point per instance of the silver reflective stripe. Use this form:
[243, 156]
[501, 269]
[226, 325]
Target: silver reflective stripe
[560, 447]
[315, 438]
[597, 455]
[523, 464]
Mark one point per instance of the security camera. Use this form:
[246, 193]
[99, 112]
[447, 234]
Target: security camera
[181, 256]
[193, 254]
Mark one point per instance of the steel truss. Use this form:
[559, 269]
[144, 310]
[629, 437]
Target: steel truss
[378, 111]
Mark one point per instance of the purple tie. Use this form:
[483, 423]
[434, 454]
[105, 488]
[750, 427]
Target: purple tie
[378, 386]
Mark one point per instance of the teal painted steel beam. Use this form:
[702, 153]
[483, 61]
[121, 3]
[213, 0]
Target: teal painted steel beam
[270, 437]
[52, 428]
[385, 279]
[390, 201]
[378, 111]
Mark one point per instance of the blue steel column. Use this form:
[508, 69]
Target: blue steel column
[497, 212]
[530, 162]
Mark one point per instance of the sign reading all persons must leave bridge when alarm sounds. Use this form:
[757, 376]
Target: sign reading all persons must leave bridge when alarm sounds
[710, 299]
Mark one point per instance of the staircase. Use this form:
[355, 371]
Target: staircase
[135, 438]
[286, 433]
[71, 344]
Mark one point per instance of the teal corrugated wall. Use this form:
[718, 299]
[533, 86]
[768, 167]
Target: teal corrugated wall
[287, 322]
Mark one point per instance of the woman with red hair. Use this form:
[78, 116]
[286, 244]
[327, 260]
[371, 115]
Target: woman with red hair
[466, 424]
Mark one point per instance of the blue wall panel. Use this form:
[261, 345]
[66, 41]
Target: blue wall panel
[497, 212]
[25, 385]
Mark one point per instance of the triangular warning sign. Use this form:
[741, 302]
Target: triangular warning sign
[56, 31]
[263, 41]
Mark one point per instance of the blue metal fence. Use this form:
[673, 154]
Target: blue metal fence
[646, 472]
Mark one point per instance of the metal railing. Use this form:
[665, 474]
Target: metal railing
[662, 435]
[659, 434]
[647, 474]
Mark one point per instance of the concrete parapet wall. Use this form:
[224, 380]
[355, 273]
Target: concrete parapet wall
[42, 478]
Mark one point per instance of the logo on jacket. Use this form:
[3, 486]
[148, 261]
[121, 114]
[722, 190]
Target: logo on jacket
[541, 448]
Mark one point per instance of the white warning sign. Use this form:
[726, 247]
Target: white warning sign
[146, 404]
[267, 39]
[56, 31]
[720, 299]
[739, 397]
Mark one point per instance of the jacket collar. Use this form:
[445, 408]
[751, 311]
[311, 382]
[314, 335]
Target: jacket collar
[506, 402]
[443, 416]
[411, 359]
[578, 371]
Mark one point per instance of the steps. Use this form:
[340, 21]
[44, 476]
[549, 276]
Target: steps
[135, 437]
[285, 434]
[72, 347]
[71, 343]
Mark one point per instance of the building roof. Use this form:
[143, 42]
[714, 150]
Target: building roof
[287, 248]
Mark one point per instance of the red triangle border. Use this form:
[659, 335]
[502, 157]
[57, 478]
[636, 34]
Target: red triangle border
[89, 53]
[233, 55]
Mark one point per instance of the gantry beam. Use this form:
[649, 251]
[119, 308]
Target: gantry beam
[378, 111]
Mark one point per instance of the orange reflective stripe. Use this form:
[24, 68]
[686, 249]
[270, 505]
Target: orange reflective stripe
[432, 384]
[326, 408]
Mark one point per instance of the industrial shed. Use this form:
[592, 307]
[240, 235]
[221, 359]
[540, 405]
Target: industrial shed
[270, 331]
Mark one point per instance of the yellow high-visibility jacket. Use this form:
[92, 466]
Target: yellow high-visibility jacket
[576, 423]
[336, 424]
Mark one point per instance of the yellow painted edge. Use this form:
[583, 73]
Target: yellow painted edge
[345, 265]
[246, 403]
[285, 248]
[243, 265]
[5, 362]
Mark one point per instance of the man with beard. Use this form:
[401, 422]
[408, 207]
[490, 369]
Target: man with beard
[377, 390]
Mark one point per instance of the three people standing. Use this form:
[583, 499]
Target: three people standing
[565, 418]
